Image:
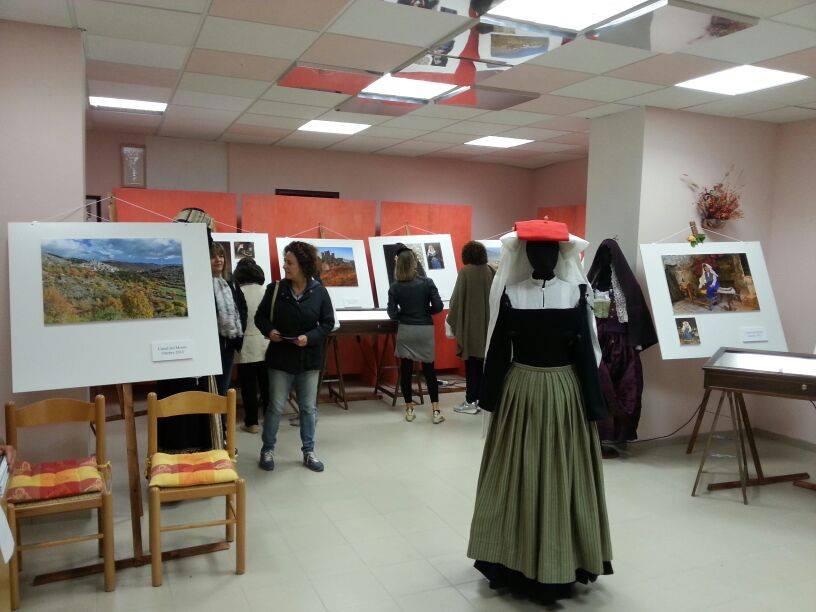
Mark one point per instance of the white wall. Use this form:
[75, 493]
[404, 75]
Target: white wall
[42, 148]
[192, 165]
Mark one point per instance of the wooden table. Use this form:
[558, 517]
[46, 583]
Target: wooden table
[735, 371]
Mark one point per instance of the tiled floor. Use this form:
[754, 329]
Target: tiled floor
[385, 528]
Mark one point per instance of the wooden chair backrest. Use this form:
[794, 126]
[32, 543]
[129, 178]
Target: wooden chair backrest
[55, 411]
[189, 402]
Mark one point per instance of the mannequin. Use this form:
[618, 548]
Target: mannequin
[623, 332]
[539, 522]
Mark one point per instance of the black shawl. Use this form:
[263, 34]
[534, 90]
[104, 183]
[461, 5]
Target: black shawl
[641, 328]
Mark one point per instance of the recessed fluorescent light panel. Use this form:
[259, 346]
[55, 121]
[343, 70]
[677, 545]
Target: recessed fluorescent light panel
[127, 105]
[742, 79]
[416, 89]
[500, 142]
[333, 127]
[569, 14]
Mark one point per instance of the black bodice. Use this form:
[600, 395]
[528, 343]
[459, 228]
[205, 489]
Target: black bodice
[545, 337]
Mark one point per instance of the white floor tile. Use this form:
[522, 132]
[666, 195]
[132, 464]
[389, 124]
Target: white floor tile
[410, 577]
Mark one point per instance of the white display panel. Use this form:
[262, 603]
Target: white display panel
[345, 270]
[382, 259]
[709, 296]
[90, 300]
[246, 245]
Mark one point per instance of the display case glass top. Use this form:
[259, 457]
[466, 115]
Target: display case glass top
[765, 361]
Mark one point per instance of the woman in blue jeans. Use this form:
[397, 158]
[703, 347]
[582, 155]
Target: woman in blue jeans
[296, 315]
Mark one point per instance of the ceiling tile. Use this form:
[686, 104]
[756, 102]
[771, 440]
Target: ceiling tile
[419, 123]
[673, 97]
[200, 130]
[511, 117]
[228, 86]
[248, 129]
[303, 14]
[764, 41]
[312, 140]
[282, 109]
[606, 89]
[669, 69]
[282, 123]
[785, 115]
[602, 111]
[535, 78]
[122, 51]
[254, 38]
[44, 12]
[129, 91]
[556, 105]
[189, 6]
[804, 17]
[733, 106]
[466, 150]
[794, 94]
[757, 8]
[180, 114]
[363, 144]
[128, 73]
[548, 147]
[185, 97]
[124, 121]
[414, 148]
[137, 22]
[574, 138]
[323, 99]
[801, 62]
[587, 55]
[446, 137]
[241, 65]
[448, 112]
[565, 124]
[359, 53]
[476, 129]
[532, 133]
[334, 115]
[381, 131]
[396, 23]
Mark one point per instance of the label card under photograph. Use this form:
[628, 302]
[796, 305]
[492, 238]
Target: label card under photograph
[172, 350]
[754, 334]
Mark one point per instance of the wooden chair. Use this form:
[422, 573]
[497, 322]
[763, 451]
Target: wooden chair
[38, 502]
[192, 483]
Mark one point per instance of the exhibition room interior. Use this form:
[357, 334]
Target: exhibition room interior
[579, 233]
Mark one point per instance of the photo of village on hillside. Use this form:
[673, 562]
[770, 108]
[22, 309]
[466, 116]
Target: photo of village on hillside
[88, 280]
[337, 267]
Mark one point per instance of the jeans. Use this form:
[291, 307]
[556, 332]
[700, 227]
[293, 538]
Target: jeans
[253, 377]
[280, 384]
[473, 378]
[222, 381]
[407, 374]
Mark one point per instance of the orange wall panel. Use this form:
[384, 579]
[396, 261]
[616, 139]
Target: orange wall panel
[155, 205]
[573, 216]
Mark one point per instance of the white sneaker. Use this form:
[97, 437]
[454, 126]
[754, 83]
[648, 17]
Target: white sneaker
[467, 408]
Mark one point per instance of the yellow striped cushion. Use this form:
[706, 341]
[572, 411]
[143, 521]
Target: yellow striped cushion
[41, 481]
[191, 469]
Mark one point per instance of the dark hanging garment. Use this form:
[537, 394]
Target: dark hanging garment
[623, 334]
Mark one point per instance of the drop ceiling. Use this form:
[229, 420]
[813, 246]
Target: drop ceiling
[217, 64]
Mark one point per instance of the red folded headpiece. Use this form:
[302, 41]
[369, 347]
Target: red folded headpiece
[542, 229]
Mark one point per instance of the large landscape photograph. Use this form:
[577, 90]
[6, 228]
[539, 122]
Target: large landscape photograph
[117, 279]
[337, 267]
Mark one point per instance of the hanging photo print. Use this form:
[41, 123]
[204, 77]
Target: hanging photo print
[704, 297]
[239, 245]
[493, 248]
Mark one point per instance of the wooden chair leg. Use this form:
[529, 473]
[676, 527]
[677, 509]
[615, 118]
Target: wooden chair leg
[155, 536]
[14, 567]
[230, 528]
[240, 518]
[100, 528]
[107, 542]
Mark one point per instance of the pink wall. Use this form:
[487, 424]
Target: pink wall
[563, 184]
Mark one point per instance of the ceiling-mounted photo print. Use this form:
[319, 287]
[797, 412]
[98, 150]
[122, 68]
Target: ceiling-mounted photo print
[343, 270]
[434, 255]
[111, 279]
[709, 296]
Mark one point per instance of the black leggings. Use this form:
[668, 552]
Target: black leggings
[407, 374]
[473, 378]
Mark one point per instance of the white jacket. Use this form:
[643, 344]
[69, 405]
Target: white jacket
[255, 344]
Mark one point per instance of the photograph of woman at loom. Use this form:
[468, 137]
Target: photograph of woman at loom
[701, 284]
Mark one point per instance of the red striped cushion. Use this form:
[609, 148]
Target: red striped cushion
[55, 479]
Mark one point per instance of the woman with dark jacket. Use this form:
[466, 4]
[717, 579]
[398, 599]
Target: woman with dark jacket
[412, 299]
[296, 314]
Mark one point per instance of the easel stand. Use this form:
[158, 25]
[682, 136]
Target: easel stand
[125, 395]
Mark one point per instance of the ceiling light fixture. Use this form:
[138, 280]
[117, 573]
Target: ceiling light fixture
[414, 89]
[741, 79]
[574, 15]
[120, 104]
[499, 142]
[333, 127]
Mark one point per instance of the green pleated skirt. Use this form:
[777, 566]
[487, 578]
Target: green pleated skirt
[540, 507]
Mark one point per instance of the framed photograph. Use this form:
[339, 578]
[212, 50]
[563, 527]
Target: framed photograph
[343, 270]
[709, 296]
[109, 303]
[133, 165]
[434, 253]
[238, 245]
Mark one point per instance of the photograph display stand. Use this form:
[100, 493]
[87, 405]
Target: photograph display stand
[493, 248]
[238, 245]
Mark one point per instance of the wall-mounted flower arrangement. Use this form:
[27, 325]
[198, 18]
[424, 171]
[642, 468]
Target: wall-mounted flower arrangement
[718, 203]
